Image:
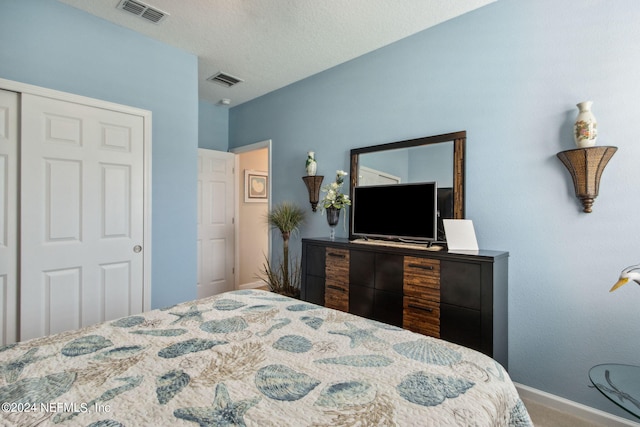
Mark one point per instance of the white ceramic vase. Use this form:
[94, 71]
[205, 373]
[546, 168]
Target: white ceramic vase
[585, 128]
[311, 164]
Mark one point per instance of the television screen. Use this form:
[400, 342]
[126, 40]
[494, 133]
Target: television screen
[399, 211]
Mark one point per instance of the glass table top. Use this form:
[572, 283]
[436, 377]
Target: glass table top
[620, 383]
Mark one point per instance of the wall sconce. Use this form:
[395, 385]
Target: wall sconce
[313, 184]
[586, 166]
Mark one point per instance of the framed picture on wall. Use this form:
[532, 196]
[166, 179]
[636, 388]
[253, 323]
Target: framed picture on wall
[256, 189]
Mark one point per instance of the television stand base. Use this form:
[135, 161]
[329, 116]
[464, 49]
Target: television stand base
[406, 245]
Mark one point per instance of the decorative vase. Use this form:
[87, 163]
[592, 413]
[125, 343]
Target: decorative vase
[333, 217]
[311, 164]
[585, 129]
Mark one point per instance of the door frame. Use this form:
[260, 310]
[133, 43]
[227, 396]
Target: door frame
[238, 190]
[146, 115]
[9, 304]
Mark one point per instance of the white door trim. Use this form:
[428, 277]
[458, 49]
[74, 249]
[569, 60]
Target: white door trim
[146, 116]
[9, 139]
[238, 190]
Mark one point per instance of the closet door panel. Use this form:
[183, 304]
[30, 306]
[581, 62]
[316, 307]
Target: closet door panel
[82, 195]
[62, 289]
[63, 200]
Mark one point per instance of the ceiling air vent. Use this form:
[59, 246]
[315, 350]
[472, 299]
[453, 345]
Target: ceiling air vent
[224, 79]
[142, 10]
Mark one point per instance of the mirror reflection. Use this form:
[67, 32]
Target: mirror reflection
[407, 165]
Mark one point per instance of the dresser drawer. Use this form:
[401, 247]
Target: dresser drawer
[462, 284]
[337, 267]
[336, 297]
[421, 316]
[314, 260]
[422, 277]
[336, 292]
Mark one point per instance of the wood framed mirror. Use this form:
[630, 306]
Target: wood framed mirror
[439, 158]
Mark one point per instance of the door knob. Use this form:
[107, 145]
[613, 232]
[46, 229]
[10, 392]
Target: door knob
[137, 249]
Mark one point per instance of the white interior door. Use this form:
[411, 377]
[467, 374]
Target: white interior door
[8, 216]
[216, 241]
[82, 213]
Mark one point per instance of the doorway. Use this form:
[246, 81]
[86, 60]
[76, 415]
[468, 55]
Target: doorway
[253, 243]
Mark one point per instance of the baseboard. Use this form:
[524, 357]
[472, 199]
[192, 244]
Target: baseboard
[570, 407]
[253, 285]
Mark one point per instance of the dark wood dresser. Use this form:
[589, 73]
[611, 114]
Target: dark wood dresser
[459, 297]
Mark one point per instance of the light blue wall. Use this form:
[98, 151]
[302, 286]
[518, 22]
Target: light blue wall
[509, 74]
[213, 126]
[48, 44]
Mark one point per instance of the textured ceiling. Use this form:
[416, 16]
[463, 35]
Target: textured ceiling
[272, 43]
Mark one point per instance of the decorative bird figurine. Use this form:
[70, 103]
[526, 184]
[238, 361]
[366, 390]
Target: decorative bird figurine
[629, 273]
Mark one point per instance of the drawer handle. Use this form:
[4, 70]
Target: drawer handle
[418, 307]
[336, 255]
[424, 287]
[424, 267]
[337, 288]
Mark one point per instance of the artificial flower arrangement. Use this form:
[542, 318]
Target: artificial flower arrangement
[335, 198]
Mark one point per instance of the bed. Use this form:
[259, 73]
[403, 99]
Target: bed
[251, 358]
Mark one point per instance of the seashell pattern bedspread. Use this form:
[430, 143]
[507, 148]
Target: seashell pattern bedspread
[251, 358]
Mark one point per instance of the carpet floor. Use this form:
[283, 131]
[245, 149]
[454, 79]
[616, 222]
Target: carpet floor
[543, 416]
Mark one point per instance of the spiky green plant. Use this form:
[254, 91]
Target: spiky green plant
[278, 281]
[287, 218]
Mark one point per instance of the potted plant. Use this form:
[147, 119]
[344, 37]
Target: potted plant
[287, 218]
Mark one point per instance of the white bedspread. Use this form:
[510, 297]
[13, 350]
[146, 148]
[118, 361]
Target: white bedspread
[251, 358]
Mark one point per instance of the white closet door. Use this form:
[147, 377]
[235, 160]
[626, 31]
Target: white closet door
[8, 216]
[82, 211]
[216, 244]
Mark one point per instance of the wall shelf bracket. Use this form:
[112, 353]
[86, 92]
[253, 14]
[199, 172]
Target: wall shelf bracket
[586, 166]
[313, 183]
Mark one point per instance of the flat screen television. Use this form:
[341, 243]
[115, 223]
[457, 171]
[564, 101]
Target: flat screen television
[405, 212]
